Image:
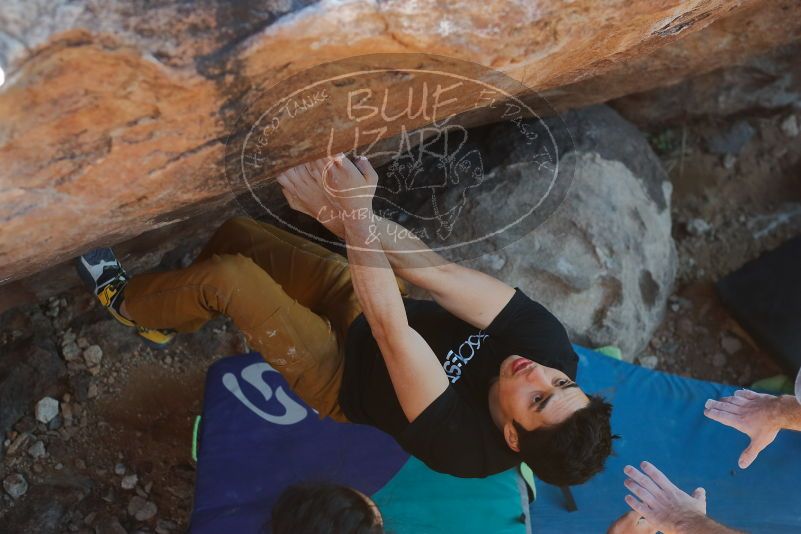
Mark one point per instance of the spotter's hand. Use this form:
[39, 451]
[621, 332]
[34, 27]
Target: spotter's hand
[755, 414]
[660, 502]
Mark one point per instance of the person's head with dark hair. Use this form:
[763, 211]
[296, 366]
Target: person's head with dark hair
[572, 451]
[560, 432]
[325, 509]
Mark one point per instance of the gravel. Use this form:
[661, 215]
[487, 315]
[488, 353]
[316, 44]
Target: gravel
[789, 126]
[18, 443]
[93, 355]
[165, 527]
[71, 351]
[37, 450]
[15, 485]
[46, 410]
[141, 509]
[730, 344]
[649, 362]
[129, 482]
[698, 227]
[109, 525]
[729, 161]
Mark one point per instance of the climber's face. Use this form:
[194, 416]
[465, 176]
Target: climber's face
[536, 395]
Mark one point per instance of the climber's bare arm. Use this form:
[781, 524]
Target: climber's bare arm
[416, 374]
[471, 295]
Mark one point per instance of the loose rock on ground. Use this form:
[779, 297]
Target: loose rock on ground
[15, 485]
[46, 410]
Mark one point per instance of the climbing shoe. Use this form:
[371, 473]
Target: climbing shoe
[104, 276]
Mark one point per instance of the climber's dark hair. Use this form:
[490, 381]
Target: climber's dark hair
[323, 509]
[572, 451]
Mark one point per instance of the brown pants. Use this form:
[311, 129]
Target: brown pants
[293, 300]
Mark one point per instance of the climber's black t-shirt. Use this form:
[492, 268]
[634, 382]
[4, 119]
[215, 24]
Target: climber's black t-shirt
[455, 434]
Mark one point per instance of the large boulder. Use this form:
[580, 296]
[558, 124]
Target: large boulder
[115, 114]
[604, 262]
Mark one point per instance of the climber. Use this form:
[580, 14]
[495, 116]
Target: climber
[472, 383]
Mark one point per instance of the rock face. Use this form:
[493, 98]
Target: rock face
[115, 114]
[604, 262]
[162, 248]
[768, 82]
[732, 40]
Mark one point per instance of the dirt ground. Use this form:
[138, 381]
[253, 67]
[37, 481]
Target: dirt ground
[751, 203]
[136, 414]
[136, 419]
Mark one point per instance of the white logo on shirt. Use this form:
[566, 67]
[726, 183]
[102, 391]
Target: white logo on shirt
[456, 359]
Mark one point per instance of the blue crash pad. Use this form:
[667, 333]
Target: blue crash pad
[660, 419]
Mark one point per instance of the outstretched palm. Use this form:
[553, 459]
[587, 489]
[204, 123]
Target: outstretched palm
[666, 507]
[753, 414]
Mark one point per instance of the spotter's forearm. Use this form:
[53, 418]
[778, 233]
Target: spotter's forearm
[705, 525]
[789, 413]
